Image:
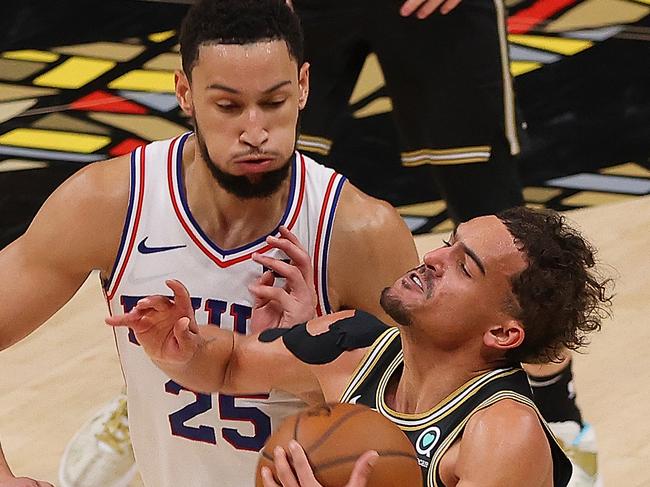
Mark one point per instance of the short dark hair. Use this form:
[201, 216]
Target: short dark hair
[560, 296]
[239, 22]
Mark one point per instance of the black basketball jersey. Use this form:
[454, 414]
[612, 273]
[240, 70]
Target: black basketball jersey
[433, 432]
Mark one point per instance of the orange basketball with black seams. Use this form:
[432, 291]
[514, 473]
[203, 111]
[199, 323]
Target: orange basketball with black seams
[334, 436]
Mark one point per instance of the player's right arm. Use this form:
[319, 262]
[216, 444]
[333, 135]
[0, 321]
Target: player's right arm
[311, 363]
[77, 230]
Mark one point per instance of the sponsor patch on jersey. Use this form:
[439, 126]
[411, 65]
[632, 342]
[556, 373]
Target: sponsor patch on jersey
[427, 441]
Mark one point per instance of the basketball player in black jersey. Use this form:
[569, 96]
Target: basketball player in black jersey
[504, 289]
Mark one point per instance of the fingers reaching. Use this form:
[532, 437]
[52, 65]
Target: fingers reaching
[362, 469]
[291, 273]
[267, 478]
[181, 294]
[301, 465]
[185, 332]
[283, 469]
[291, 246]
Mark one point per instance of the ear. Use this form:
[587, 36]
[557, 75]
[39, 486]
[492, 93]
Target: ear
[303, 85]
[183, 92]
[507, 335]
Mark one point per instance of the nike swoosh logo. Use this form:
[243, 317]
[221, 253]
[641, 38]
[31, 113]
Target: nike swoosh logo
[143, 249]
[355, 399]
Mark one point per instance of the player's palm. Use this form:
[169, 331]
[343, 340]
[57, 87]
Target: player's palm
[296, 301]
[164, 327]
[293, 470]
[267, 313]
[292, 306]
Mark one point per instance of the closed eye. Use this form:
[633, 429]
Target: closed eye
[274, 103]
[462, 265]
[227, 107]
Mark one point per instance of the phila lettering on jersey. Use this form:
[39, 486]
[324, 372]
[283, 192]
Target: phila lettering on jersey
[180, 437]
[433, 432]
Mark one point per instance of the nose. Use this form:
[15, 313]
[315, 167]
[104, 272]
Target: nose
[254, 133]
[439, 259]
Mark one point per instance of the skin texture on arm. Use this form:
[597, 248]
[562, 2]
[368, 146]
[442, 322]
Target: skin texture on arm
[503, 445]
[209, 359]
[76, 230]
[371, 247]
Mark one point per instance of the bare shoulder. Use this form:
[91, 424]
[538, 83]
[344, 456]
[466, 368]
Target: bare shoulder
[359, 214]
[85, 214]
[504, 445]
[107, 182]
[510, 417]
[371, 247]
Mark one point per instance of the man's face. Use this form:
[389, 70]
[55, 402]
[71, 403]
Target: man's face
[245, 101]
[462, 288]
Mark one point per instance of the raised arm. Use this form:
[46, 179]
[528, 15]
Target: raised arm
[77, 230]
[299, 360]
[371, 248]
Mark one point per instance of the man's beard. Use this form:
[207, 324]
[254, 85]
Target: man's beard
[266, 184]
[394, 308]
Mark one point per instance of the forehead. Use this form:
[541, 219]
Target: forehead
[244, 65]
[493, 243]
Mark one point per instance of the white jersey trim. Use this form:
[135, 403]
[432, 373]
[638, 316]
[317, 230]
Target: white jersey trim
[226, 258]
[321, 248]
[132, 219]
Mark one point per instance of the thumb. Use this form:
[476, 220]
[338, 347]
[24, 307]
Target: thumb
[267, 279]
[183, 331]
[363, 469]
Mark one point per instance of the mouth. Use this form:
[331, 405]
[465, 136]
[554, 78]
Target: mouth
[255, 158]
[415, 279]
[255, 164]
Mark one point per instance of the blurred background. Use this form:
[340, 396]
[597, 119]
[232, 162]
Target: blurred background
[85, 80]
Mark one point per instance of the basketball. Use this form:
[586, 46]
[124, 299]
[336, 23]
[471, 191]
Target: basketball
[334, 436]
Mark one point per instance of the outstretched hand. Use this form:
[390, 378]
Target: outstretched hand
[296, 301]
[165, 327]
[293, 469]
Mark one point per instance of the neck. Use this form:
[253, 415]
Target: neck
[228, 220]
[430, 374]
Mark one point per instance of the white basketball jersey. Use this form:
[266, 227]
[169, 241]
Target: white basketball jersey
[181, 438]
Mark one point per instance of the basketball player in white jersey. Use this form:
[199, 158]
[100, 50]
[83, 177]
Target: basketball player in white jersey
[201, 208]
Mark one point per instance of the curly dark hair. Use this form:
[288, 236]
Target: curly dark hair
[239, 22]
[560, 296]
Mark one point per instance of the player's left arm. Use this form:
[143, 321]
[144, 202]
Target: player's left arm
[312, 361]
[371, 247]
[504, 445]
